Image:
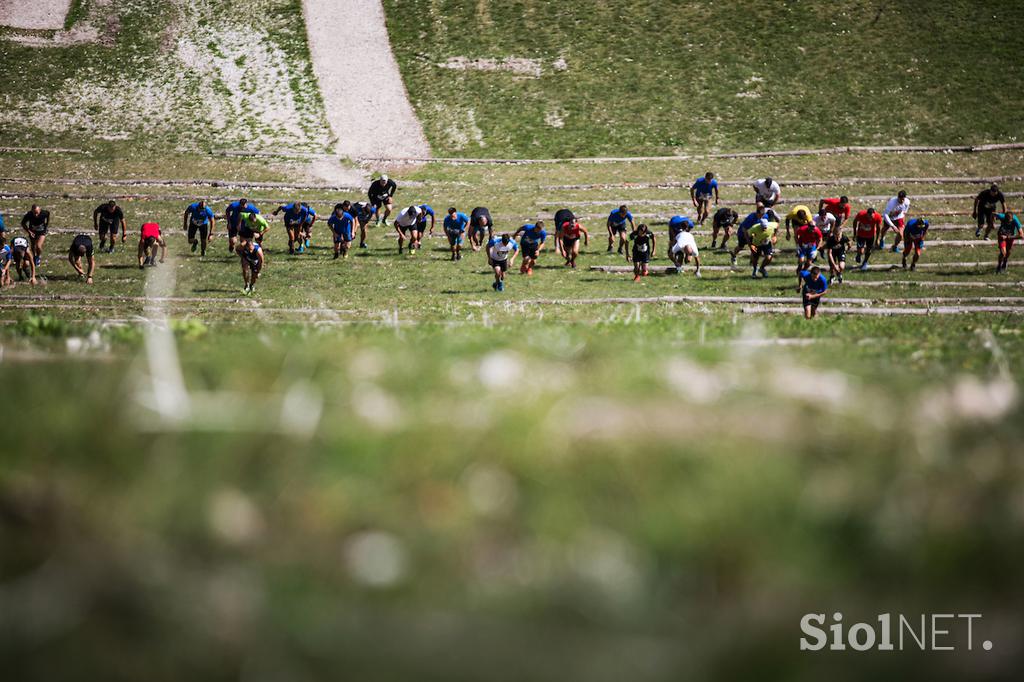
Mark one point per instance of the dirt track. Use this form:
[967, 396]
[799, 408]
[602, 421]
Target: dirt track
[379, 120]
[36, 15]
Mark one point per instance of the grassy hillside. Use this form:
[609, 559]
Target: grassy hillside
[623, 77]
[210, 74]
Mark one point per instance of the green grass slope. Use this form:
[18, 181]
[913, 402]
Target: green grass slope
[621, 77]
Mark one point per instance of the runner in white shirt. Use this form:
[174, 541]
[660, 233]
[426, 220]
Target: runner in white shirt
[825, 221]
[501, 253]
[684, 249]
[766, 193]
[894, 218]
[403, 224]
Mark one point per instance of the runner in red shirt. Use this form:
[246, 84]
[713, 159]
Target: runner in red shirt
[567, 235]
[808, 238]
[149, 239]
[839, 208]
[866, 226]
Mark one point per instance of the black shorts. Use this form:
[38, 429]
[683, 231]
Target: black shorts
[203, 230]
[985, 214]
[377, 202]
[839, 255]
[813, 302]
[36, 232]
[500, 264]
[742, 239]
[245, 232]
[766, 249]
[641, 256]
[568, 243]
[232, 230]
[617, 228]
[767, 203]
[108, 226]
[529, 250]
[865, 242]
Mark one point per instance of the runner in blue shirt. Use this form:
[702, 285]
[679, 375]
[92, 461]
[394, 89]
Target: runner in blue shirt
[342, 224]
[455, 224]
[532, 241]
[233, 217]
[701, 192]
[199, 218]
[913, 240]
[295, 215]
[428, 212]
[307, 227]
[814, 287]
[617, 221]
[5, 261]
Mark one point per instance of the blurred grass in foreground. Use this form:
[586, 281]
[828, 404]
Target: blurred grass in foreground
[548, 501]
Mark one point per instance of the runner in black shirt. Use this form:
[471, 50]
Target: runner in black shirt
[36, 222]
[724, 219]
[985, 209]
[644, 244]
[480, 220]
[106, 219]
[380, 194]
[82, 246]
[836, 245]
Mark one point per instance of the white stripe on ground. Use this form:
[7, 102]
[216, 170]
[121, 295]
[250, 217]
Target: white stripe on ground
[348, 41]
[929, 283]
[740, 267]
[938, 310]
[1003, 300]
[838, 182]
[788, 201]
[968, 149]
[35, 15]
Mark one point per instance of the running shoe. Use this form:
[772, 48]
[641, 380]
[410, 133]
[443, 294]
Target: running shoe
[977, 233]
[306, 245]
[501, 286]
[37, 261]
[636, 278]
[195, 245]
[764, 273]
[363, 246]
[732, 261]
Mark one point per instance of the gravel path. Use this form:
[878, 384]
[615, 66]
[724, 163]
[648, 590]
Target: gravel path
[349, 45]
[38, 14]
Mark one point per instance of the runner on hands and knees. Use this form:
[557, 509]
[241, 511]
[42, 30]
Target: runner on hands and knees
[568, 232]
[617, 221]
[252, 227]
[867, 226]
[233, 217]
[836, 246]
[405, 225]
[36, 223]
[24, 264]
[479, 222]
[199, 219]
[766, 193]
[307, 226]
[813, 286]
[295, 215]
[81, 246]
[985, 209]
[808, 240]
[1009, 231]
[342, 226]
[252, 257]
[723, 219]
[701, 192]
[362, 212]
[762, 243]
[894, 219]
[683, 249]
[799, 216]
[380, 194]
[106, 219]
[531, 239]
[838, 209]
[501, 255]
[913, 240]
[150, 239]
[677, 224]
[5, 261]
[455, 224]
[743, 231]
[421, 224]
[644, 243]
